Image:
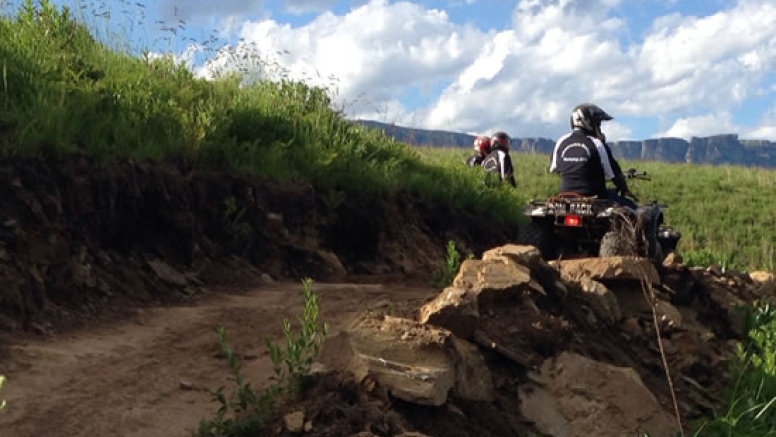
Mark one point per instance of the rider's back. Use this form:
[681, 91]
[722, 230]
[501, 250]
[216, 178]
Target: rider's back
[576, 158]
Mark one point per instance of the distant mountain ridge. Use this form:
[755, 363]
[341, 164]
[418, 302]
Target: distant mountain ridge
[715, 149]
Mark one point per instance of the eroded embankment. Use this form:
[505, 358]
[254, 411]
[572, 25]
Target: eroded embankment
[83, 241]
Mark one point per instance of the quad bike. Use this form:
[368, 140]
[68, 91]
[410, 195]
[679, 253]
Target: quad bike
[570, 225]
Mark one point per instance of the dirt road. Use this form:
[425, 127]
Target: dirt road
[124, 380]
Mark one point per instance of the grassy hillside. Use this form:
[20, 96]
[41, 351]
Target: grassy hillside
[725, 213]
[63, 91]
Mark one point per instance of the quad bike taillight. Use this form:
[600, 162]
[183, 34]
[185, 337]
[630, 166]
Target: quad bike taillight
[572, 220]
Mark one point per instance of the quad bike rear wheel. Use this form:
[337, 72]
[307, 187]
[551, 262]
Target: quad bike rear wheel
[624, 241]
[540, 235]
[617, 242]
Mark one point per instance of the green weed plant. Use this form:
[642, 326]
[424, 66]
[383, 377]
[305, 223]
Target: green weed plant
[244, 411]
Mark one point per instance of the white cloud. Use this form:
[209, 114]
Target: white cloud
[689, 72]
[702, 125]
[375, 50]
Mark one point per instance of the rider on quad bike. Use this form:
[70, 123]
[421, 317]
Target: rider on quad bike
[586, 217]
[584, 160]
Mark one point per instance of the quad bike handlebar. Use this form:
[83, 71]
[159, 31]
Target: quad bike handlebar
[632, 173]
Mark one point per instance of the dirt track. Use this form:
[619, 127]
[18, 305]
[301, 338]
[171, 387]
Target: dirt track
[125, 379]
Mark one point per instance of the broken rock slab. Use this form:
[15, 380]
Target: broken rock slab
[601, 300]
[167, 273]
[454, 309]
[494, 280]
[609, 269]
[529, 256]
[582, 397]
[418, 363]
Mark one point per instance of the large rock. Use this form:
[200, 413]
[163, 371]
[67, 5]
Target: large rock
[478, 283]
[494, 279]
[472, 376]
[529, 256]
[601, 300]
[609, 269]
[581, 397]
[415, 362]
[454, 309]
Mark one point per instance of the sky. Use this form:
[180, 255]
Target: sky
[661, 68]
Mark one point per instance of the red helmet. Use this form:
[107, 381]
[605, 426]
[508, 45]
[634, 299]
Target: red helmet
[482, 144]
[501, 139]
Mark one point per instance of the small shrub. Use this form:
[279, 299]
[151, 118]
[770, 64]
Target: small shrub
[444, 276]
[244, 411]
[293, 362]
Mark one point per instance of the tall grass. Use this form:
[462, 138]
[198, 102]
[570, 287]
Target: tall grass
[751, 396]
[64, 91]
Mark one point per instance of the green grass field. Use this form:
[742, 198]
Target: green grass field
[725, 213]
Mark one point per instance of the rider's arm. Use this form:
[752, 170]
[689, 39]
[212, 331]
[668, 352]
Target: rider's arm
[612, 161]
[614, 172]
[508, 170]
[604, 156]
[554, 162]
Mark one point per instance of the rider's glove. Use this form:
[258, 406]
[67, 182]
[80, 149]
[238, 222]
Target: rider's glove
[621, 184]
[631, 195]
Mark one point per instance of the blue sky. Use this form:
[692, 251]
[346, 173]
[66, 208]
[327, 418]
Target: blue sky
[678, 68]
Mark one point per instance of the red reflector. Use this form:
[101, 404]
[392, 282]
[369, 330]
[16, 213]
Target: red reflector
[572, 220]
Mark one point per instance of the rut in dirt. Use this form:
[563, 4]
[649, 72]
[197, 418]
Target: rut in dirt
[144, 376]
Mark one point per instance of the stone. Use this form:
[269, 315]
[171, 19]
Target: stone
[416, 362]
[266, 279]
[495, 280]
[601, 300]
[473, 380]
[609, 270]
[546, 275]
[583, 397]
[668, 314]
[412, 361]
[294, 422]
[453, 309]
[631, 327]
[167, 273]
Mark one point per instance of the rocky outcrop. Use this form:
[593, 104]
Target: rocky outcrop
[582, 344]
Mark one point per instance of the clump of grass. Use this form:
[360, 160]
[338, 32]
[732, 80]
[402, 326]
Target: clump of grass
[751, 397]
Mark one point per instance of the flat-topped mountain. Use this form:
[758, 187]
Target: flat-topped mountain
[715, 149]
